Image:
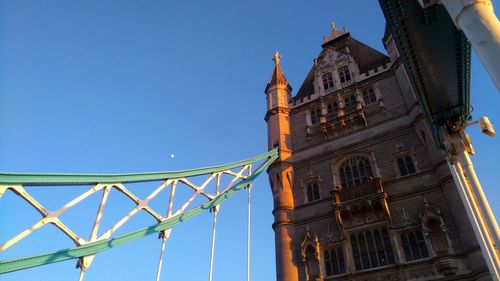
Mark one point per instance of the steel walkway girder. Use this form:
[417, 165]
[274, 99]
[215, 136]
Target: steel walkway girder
[104, 242]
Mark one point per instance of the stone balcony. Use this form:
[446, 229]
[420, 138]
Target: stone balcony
[359, 197]
[358, 191]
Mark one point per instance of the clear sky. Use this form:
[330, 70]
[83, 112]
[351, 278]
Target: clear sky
[119, 86]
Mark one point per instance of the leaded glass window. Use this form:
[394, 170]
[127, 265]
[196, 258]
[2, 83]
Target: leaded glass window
[327, 80]
[344, 74]
[350, 102]
[315, 116]
[369, 96]
[355, 171]
[312, 192]
[334, 261]
[371, 248]
[406, 166]
[414, 245]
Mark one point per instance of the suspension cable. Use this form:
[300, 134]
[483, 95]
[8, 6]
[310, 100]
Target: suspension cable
[160, 262]
[215, 210]
[164, 236]
[249, 187]
[166, 233]
[82, 273]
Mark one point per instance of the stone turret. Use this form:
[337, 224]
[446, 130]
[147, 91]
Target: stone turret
[278, 95]
[281, 172]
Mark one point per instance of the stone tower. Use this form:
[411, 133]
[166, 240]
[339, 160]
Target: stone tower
[278, 122]
[361, 191]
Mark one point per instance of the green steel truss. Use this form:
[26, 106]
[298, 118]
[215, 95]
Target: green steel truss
[85, 249]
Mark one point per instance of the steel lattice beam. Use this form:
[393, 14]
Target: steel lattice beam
[86, 249]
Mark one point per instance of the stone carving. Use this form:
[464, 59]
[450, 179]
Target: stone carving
[435, 230]
[310, 256]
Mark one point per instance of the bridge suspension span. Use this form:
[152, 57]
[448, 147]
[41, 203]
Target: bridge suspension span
[86, 247]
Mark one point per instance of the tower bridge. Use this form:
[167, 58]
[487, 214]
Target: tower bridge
[372, 180]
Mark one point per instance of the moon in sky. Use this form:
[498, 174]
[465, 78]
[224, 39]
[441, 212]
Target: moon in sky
[172, 156]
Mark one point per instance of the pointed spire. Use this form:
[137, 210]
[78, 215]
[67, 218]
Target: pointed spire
[277, 77]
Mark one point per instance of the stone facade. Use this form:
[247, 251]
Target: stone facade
[361, 191]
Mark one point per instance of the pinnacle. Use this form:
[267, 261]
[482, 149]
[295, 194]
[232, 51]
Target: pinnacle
[277, 77]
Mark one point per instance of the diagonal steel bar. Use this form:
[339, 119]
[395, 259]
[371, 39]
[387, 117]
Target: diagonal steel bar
[92, 248]
[140, 206]
[48, 217]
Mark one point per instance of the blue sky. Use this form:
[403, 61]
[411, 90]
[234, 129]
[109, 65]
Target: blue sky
[118, 86]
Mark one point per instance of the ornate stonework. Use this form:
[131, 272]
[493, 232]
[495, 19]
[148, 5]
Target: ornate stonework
[361, 192]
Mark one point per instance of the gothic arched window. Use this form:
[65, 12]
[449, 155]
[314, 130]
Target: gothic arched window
[312, 192]
[414, 245]
[355, 171]
[344, 74]
[334, 261]
[371, 248]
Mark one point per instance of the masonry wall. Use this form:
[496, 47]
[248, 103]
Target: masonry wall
[394, 128]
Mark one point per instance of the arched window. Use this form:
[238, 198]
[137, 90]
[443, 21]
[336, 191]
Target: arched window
[387, 246]
[362, 248]
[334, 261]
[371, 248]
[355, 171]
[414, 245]
[344, 74]
[312, 192]
[355, 252]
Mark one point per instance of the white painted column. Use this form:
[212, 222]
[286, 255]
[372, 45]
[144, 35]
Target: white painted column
[476, 221]
[481, 200]
[458, 163]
